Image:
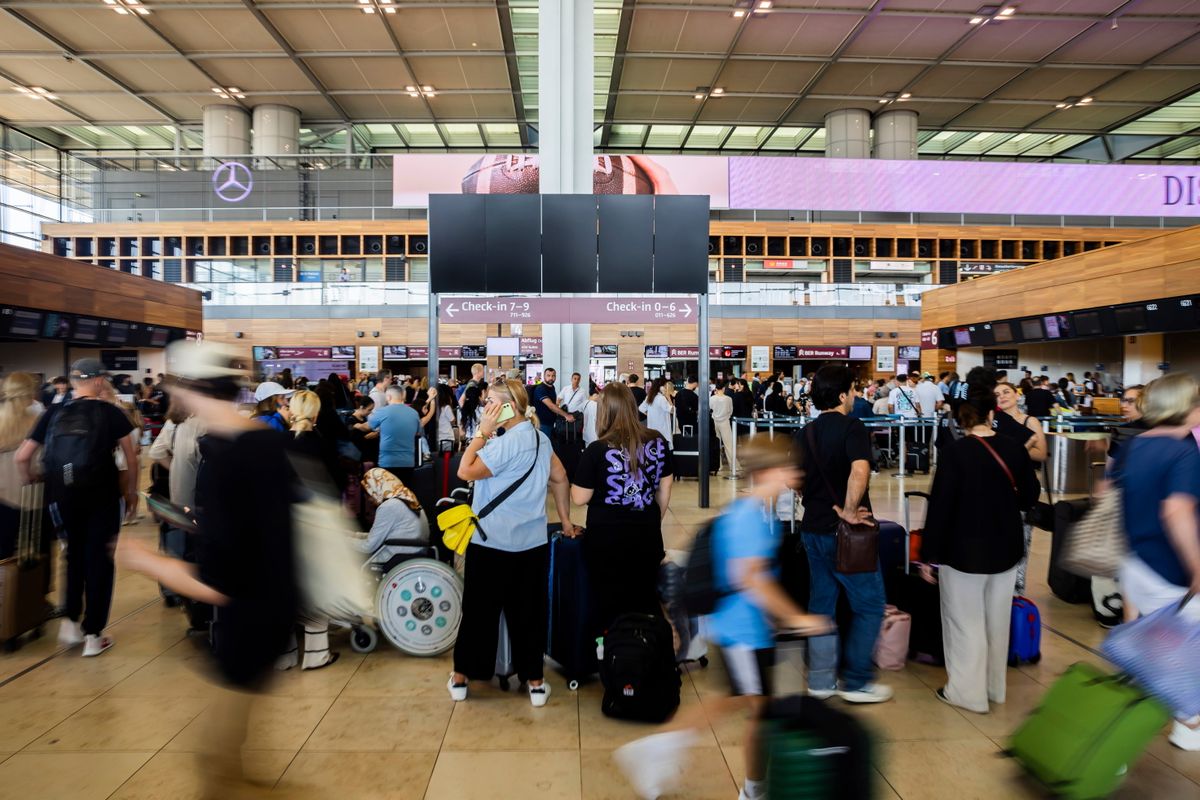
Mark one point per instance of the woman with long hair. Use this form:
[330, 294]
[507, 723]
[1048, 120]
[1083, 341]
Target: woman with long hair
[444, 419]
[508, 559]
[1011, 421]
[974, 535]
[17, 418]
[624, 480]
[1159, 476]
[659, 410]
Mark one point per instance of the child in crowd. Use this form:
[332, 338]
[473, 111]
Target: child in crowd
[753, 605]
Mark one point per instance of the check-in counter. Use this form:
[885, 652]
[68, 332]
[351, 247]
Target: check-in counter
[1076, 461]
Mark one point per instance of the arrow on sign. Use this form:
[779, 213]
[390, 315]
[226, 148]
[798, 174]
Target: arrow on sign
[450, 310]
[687, 310]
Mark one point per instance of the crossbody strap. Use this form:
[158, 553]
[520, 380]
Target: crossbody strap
[507, 493]
[1012, 481]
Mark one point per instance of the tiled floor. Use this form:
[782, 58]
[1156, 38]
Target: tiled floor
[129, 724]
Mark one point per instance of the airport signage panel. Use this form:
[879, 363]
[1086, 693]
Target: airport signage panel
[302, 353]
[567, 309]
[929, 339]
[791, 352]
[723, 352]
[985, 268]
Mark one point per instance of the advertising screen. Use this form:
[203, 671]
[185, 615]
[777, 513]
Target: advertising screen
[785, 351]
[504, 345]
[395, 353]
[1087, 323]
[962, 337]
[910, 352]
[1002, 332]
[733, 353]
[860, 352]
[265, 353]
[604, 350]
[343, 351]
[657, 351]
[1032, 329]
[158, 337]
[56, 326]
[1058, 326]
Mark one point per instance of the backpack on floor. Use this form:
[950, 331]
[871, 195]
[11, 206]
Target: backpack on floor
[1025, 633]
[76, 448]
[641, 679]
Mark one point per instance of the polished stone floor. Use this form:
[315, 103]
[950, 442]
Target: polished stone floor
[128, 724]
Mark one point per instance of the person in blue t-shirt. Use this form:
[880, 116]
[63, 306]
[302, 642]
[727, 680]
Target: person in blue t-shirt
[1159, 476]
[398, 425]
[744, 543]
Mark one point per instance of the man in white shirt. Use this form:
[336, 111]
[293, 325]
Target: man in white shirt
[721, 406]
[379, 392]
[901, 400]
[574, 397]
[929, 397]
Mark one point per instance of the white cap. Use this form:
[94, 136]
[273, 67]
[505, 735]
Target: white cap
[270, 389]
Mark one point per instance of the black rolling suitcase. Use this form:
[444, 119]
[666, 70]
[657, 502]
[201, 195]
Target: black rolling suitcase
[685, 448]
[568, 640]
[568, 445]
[1067, 586]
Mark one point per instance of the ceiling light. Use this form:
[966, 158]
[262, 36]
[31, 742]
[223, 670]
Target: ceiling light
[35, 92]
[698, 96]
[977, 20]
[718, 91]
[765, 5]
[368, 9]
[906, 95]
[426, 88]
[1008, 11]
[1085, 101]
[126, 6]
[389, 10]
[882, 100]
[1061, 105]
[738, 13]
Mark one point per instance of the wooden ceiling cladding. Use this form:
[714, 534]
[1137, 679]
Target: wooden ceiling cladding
[1157, 267]
[47, 282]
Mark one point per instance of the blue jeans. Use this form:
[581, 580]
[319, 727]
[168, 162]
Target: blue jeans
[864, 590]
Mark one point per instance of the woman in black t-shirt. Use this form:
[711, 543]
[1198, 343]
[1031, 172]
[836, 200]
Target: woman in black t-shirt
[624, 479]
[1027, 430]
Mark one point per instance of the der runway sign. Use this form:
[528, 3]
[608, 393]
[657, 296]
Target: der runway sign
[567, 309]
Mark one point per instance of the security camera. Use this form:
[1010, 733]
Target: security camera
[375, 334]
[360, 334]
[238, 334]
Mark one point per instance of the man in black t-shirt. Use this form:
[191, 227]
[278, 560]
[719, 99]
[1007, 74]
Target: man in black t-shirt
[85, 500]
[1040, 400]
[835, 455]
[639, 394]
[687, 404]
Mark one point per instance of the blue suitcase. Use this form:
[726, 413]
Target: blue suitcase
[570, 614]
[1025, 633]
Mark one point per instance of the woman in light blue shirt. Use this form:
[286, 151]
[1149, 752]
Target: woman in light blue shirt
[507, 564]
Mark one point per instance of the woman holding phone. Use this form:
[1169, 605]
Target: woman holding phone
[507, 561]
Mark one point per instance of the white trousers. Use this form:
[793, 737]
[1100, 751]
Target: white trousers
[976, 614]
[724, 432]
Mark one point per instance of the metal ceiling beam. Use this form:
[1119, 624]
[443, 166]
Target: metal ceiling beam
[400, 135]
[286, 47]
[504, 19]
[865, 19]
[714, 83]
[68, 51]
[12, 79]
[412, 73]
[618, 67]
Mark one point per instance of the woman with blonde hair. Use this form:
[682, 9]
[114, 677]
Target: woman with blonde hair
[17, 417]
[1159, 476]
[507, 562]
[624, 480]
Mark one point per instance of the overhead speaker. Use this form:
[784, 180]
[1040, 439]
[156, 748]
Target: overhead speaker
[262, 245]
[797, 246]
[195, 246]
[905, 248]
[1028, 251]
[373, 245]
[883, 248]
[965, 250]
[819, 247]
[1068, 248]
[733, 245]
[776, 245]
[714, 245]
[284, 246]
[307, 245]
[841, 246]
[946, 248]
[924, 248]
[351, 245]
[420, 244]
[861, 249]
[753, 246]
[395, 245]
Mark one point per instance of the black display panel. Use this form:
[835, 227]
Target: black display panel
[158, 337]
[512, 242]
[681, 243]
[87, 329]
[120, 360]
[735, 353]
[1087, 323]
[395, 352]
[604, 350]
[658, 351]
[627, 243]
[456, 237]
[1181, 314]
[56, 326]
[1131, 319]
[786, 352]
[962, 337]
[474, 351]
[909, 352]
[1032, 329]
[569, 243]
[20, 322]
[117, 332]
[1058, 326]
[981, 335]
[1002, 332]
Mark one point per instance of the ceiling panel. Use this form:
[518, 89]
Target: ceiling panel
[636, 108]
[909, 37]
[257, 74]
[744, 109]
[661, 31]
[869, 80]
[1151, 85]
[158, 75]
[1000, 116]
[1019, 40]
[214, 30]
[330, 30]
[821, 34]
[55, 74]
[766, 76]
[447, 29]
[477, 72]
[1085, 118]
[643, 74]
[1056, 84]
[99, 29]
[361, 73]
[955, 81]
[1131, 43]
[17, 108]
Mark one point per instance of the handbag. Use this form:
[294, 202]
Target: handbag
[1161, 652]
[460, 522]
[857, 544]
[891, 648]
[1096, 545]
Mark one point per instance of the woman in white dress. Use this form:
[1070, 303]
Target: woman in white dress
[659, 410]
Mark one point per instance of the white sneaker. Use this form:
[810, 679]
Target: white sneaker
[822, 694]
[457, 693]
[539, 695]
[95, 645]
[69, 633]
[871, 693]
[1185, 737]
[651, 763]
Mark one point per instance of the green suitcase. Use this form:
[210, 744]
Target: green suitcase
[1088, 731]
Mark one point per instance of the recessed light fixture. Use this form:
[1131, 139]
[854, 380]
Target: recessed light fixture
[229, 93]
[906, 95]
[1071, 102]
[764, 5]
[977, 20]
[698, 96]
[738, 13]
[1085, 101]
[35, 92]
[127, 6]
[417, 91]
[718, 91]
[988, 13]
[1008, 11]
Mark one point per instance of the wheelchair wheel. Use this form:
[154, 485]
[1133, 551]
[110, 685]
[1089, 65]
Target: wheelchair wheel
[363, 639]
[419, 605]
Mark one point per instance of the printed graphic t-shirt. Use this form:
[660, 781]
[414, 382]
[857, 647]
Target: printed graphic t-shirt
[619, 495]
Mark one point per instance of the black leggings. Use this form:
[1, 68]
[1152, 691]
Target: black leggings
[517, 584]
[92, 525]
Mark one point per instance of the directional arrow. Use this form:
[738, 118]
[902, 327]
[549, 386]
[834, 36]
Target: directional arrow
[450, 310]
[687, 310]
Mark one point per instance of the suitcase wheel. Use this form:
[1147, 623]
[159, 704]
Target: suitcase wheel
[573, 686]
[703, 660]
[363, 639]
[10, 646]
[1037, 658]
[504, 685]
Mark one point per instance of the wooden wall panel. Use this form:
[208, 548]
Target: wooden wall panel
[1166, 265]
[44, 281]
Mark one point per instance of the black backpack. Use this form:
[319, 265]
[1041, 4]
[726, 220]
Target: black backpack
[641, 679]
[700, 592]
[78, 453]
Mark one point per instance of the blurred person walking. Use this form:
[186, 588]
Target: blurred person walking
[507, 571]
[78, 438]
[17, 419]
[272, 405]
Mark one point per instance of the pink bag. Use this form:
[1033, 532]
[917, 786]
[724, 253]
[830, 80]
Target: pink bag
[891, 650]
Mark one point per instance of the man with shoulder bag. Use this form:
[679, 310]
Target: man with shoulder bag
[841, 540]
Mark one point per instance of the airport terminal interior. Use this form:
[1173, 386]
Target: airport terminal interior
[387, 228]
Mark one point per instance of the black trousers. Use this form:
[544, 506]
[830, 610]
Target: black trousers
[623, 564]
[518, 585]
[91, 524]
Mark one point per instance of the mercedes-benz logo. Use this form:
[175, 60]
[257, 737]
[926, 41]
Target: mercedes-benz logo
[232, 181]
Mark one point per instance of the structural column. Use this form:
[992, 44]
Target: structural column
[896, 134]
[565, 149]
[848, 133]
[226, 131]
[276, 132]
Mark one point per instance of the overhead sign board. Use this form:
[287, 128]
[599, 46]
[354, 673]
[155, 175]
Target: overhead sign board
[567, 309]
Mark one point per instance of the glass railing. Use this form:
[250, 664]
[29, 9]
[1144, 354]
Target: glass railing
[362, 293]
